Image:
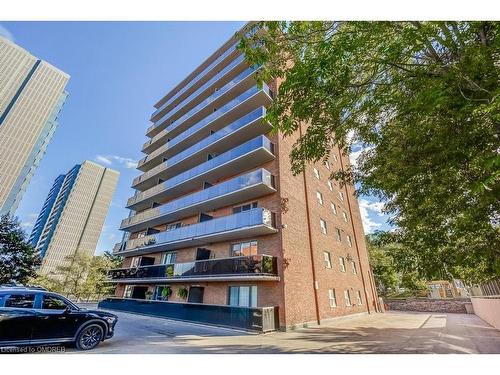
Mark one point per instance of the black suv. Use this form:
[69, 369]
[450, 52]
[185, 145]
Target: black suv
[34, 316]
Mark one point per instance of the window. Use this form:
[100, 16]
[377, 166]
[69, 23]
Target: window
[135, 262]
[322, 224]
[344, 215]
[128, 291]
[53, 303]
[21, 301]
[335, 157]
[316, 173]
[353, 267]
[349, 241]
[327, 258]
[338, 235]
[331, 297]
[341, 196]
[244, 207]
[319, 197]
[330, 185]
[169, 257]
[347, 298]
[327, 164]
[334, 208]
[174, 226]
[342, 264]
[244, 296]
[360, 301]
[244, 249]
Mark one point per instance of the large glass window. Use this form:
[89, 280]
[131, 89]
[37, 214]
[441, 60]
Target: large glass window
[22, 301]
[244, 249]
[169, 257]
[360, 301]
[244, 207]
[53, 303]
[342, 264]
[319, 197]
[244, 296]
[128, 291]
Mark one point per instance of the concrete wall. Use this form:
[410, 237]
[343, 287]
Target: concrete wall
[488, 309]
[452, 305]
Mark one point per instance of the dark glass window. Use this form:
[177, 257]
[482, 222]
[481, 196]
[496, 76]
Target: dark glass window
[22, 301]
[53, 303]
[244, 296]
[245, 207]
[244, 249]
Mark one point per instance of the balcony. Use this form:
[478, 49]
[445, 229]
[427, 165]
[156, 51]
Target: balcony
[180, 131]
[226, 55]
[237, 69]
[241, 158]
[242, 188]
[256, 267]
[242, 130]
[252, 223]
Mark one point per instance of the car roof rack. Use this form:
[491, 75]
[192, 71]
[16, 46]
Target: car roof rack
[20, 286]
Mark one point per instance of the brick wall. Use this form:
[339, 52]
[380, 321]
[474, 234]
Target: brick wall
[455, 305]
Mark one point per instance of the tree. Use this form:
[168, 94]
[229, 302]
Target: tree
[81, 277]
[423, 100]
[382, 262]
[18, 259]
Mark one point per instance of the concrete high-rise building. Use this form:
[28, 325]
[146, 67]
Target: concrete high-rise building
[73, 214]
[32, 93]
[219, 219]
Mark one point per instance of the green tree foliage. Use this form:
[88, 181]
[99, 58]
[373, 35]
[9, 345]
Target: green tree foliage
[82, 277]
[383, 265]
[18, 259]
[423, 99]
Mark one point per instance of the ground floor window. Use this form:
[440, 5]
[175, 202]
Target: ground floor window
[245, 296]
[360, 301]
[347, 298]
[332, 298]
[162, 293]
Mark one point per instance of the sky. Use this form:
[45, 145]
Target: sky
[118, 70]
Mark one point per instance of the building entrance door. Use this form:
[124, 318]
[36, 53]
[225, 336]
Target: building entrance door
[196, 294]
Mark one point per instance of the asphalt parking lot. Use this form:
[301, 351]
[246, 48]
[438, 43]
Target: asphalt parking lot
[392, 332]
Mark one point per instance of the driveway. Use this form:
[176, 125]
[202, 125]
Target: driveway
[392, 332]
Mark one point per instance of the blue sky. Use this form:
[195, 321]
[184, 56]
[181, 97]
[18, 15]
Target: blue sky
[118, 71]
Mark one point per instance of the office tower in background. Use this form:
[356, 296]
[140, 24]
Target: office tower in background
[32, 93]
[73, 215]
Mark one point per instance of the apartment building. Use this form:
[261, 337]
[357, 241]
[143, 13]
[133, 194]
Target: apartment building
[219, 219]
[73, 215]
[32, 93]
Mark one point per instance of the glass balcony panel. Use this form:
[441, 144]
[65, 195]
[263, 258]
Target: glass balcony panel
[246, 265]
[236, 125]
[201, 124]
[203, 168]
[247, 72]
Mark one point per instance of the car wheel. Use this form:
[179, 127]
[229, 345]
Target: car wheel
[89, 337]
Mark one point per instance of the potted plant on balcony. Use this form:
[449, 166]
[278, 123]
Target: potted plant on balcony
[182, 293]
[166, 293]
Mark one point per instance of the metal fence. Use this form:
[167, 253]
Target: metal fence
[490, 288]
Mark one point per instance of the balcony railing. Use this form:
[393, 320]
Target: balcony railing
[248, 186]
[236, 266]
[200, 75]
[255, 222]
[241, 157]
[196, 79]
[222, 111]
[231, 135]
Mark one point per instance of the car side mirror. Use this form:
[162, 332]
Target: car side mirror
[67, 310]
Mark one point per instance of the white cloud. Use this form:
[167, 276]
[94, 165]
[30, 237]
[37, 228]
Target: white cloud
[365, 207]
[103, 159]
[110, 159]
[6, 33]
[30, 222]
